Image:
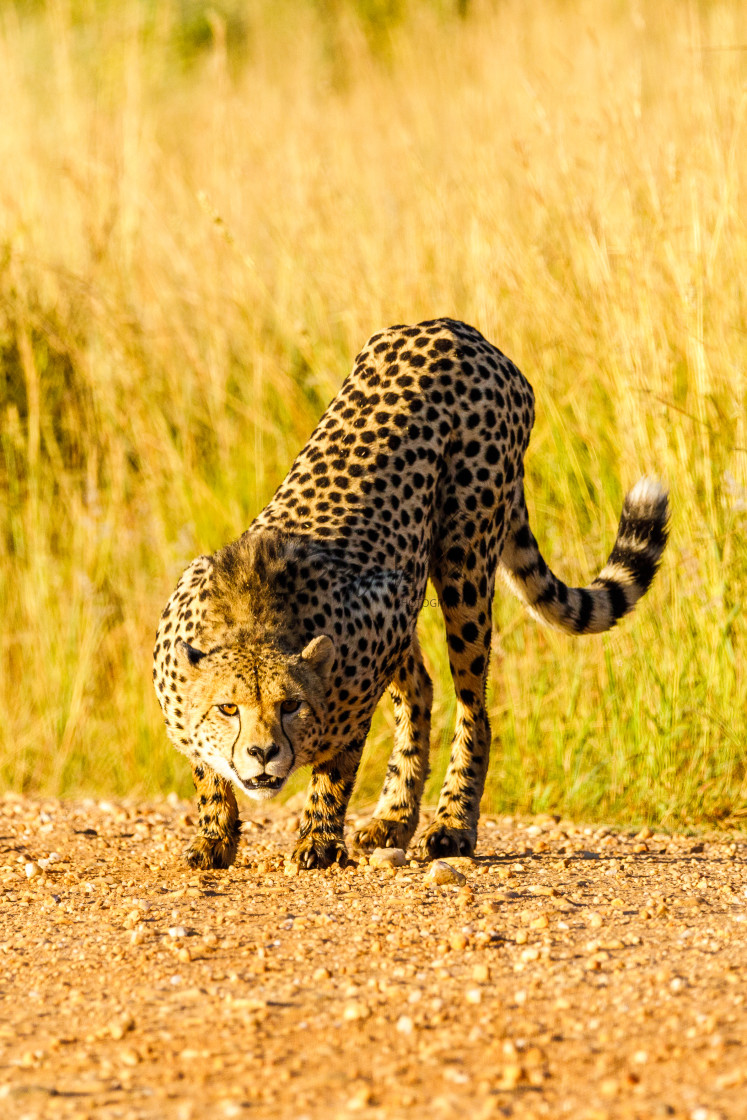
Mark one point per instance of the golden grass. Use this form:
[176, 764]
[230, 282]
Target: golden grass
[201, 222]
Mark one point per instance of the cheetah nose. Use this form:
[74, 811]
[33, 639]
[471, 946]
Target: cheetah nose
[263, 754]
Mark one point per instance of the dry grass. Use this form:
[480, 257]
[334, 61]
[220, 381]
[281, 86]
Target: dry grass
[200, 224]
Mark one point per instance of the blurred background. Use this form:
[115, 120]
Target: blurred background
[205, 211]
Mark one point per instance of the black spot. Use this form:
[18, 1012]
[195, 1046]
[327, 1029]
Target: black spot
[469, 593]
[469, 632]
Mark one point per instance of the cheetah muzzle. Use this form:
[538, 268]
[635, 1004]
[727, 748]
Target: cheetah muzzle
[274, 652]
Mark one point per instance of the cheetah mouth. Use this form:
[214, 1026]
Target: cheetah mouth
[262, 782]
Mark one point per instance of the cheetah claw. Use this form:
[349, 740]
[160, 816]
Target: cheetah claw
[319, 852]
[210, 852]
[439, 840]
[381, 833]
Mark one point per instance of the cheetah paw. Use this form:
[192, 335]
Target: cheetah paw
[206, 852]
[439, 840]
[319, 851]
[380, 833]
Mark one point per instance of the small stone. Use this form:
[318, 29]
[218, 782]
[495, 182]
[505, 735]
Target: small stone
[177, 931]
[596, 921]
[521, 937]
[540, 922]
[321, 974]
[456, 1076]
[118, 1028]
[129, 1057]
[184, 955]
[361, 1098]
[481, 973]
[405, 1024]
[290, 869]
[32, 869]
[441, 874]
[534, 1056]
[513, 1075]
[473, 995]
[233, 1108]
[355, 1010]
[458, 941]
[387, 857]
[644, 834]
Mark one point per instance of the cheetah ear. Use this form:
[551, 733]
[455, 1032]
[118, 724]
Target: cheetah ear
[187, 654]
[320, 653]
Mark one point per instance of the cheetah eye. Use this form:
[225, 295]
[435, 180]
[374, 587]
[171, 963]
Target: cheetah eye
[228, 709]
[289, 706]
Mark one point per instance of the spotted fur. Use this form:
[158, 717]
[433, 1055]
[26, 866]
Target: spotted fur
[274, 652]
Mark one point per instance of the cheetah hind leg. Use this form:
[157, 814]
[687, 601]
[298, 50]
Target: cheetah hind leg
[397, 811]
[453, 832]
[467, 614]
[217, 839]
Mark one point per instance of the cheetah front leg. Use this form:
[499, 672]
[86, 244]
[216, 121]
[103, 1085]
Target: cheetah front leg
[217, 839]
[398, 809]
[321, 838]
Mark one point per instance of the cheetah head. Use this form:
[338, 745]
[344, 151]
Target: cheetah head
[253, 713]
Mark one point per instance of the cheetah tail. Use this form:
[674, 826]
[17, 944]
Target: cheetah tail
[627, 575]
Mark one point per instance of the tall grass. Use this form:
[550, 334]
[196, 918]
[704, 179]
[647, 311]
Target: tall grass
[205, 210]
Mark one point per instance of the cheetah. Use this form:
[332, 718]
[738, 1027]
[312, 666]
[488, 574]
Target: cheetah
[273, 652]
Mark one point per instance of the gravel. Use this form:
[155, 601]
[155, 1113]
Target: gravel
[562, 972]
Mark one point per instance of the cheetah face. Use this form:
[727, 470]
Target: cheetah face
[255, 715]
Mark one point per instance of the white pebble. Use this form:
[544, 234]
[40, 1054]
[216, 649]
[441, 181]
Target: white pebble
[441, 873]
[473, 995]
[391, 857]
[355, 1010]
[177, 931]
[32, 869]
[405, 1024]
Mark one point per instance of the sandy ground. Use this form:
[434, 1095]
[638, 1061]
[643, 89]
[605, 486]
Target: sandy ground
[576, 972]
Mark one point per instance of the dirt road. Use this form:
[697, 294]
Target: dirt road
[576, 972]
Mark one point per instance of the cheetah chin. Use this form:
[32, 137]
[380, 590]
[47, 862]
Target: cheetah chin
[274, 652]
